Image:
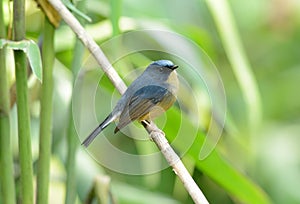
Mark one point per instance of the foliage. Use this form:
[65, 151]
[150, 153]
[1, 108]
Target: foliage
[248, 165]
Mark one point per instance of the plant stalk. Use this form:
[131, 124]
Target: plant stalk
[43, 172]
[72, 139]
[6, 157]
[22, 105]
[115, 6]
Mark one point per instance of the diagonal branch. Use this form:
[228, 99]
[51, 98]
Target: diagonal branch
[88, 41]
[155, 133]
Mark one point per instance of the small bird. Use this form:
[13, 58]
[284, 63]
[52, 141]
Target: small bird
[152, 93]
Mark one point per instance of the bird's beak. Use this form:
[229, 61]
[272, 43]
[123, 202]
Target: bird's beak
[174, 67]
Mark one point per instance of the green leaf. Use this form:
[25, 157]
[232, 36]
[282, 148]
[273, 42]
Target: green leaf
[214, 166]
[31, 50]
[2, 43]
[33, 54]
[133, 194]
[14, 45]
[70, 6]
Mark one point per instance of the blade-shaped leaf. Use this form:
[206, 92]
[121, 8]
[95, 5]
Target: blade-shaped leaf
[15, 45]
[214, 166]
[32, 52]
[2, 43]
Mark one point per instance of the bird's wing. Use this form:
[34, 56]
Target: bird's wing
[141, 103]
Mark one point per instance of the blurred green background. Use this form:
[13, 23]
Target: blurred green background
[257, 163]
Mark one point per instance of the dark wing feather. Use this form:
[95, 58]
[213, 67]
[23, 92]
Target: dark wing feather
[141, 103]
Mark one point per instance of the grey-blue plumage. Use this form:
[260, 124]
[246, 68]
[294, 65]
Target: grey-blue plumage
[152, 93]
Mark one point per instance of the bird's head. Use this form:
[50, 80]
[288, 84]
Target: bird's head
[163, 64]
[161, 70]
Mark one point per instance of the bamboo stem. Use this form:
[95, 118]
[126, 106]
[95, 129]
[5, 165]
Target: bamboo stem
[72, 141]
[115, 14]
[46, 114]
[24, 128]
[22, 105]
[6, 158]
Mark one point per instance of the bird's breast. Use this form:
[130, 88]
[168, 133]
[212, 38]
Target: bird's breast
[173, 83]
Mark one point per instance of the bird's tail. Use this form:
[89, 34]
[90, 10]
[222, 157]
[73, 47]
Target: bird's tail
[98, 129]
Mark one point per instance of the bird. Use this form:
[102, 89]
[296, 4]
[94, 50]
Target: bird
[147, 97]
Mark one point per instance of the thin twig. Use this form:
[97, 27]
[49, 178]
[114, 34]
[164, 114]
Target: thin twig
[156, 134]
[88, 41]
